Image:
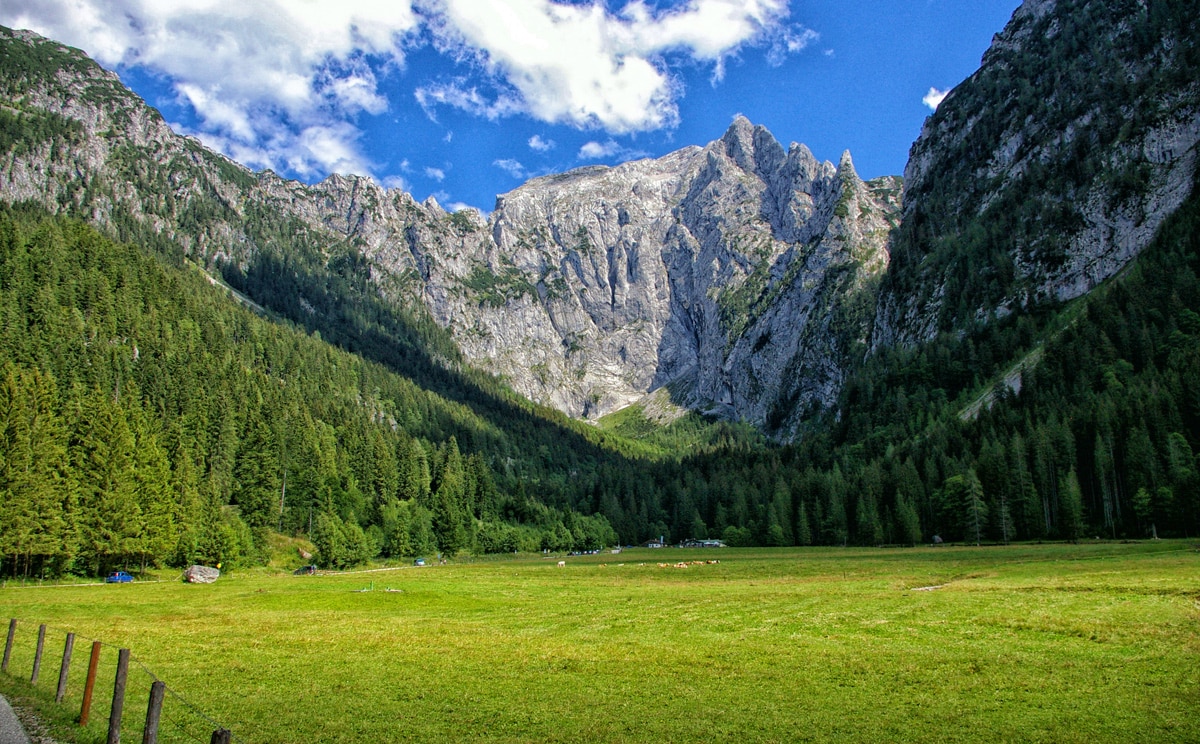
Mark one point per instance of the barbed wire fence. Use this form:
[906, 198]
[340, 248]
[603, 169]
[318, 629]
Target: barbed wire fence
[106, 683]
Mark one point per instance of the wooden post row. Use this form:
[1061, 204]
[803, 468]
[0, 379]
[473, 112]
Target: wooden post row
[12, 631]
[66, 668]
[37, 656]
[118, 701]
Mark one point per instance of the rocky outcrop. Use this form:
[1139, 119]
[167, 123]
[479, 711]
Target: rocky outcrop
[702, 267]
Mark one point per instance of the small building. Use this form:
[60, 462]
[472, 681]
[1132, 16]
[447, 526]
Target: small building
[654, 543]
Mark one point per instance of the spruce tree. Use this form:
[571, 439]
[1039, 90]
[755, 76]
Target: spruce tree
[1070, 510]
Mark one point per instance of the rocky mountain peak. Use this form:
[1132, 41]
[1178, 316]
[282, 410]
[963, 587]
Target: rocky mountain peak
[753, 148]
[845, 166]
[740, 274]
[711, 269]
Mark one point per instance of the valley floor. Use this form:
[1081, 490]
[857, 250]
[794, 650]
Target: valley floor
[1090, 642]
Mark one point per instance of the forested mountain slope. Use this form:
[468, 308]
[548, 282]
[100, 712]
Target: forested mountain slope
[144, 417]
[1050, 168]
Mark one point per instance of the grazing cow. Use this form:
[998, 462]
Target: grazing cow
[561, 564]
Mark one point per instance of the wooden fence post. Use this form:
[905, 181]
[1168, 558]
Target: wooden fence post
[221, 736]
[154, 712]
[12, 631]
[66, 667]
[118, 701]
[90, 685]
[37, 656]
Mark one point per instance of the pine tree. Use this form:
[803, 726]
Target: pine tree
[1028, 504]
[256, 476]
[109, 514]
[964, 499]
[907, 520]
[1071, 520]
[1143, 506]
[803, 530]
[868, 529]
[413, 471]
[152, 481]
[781, 513]
[450, 518]
[185, 488]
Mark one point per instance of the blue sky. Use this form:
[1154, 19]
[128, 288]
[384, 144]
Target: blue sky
[466, 99]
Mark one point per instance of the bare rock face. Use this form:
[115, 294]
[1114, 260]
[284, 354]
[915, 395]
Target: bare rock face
[716, 267]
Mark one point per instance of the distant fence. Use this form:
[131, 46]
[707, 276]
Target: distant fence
[111, 674]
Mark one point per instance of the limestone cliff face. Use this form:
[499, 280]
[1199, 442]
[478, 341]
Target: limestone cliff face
[717, 270]
[1050, 168]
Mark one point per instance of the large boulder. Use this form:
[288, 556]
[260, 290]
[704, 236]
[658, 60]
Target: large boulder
[201, 575]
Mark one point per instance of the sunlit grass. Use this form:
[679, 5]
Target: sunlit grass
[1054, 643]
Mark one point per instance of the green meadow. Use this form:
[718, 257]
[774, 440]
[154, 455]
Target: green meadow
[1090, 642]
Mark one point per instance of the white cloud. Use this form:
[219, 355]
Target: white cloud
[610, 150]
[437, 174]
[512, 168]
[460, 206]
[934, 98]
[537, 144]
[596, 150]
[789, 41]
[396, 182]
[279, 83]
[458, 95]
[272, 81]
[584, 66]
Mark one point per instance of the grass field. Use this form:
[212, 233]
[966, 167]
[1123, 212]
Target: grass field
[1094, 642]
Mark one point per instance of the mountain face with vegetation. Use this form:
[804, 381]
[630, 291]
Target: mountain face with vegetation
[739, 274]
[746, 279]
[1050, 168]
[1018, 361]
